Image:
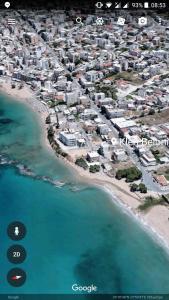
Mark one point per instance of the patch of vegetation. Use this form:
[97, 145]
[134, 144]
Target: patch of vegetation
[50, 133]
[143, 47]
[134, 187]
[131, 174]
[150, 202]
[142, 188]
[69, 77]
[145, 136]
[124, 49]
[60, 102]
[128, 76]
[81, 163]
[109, 90]
[155, 151]
[164, 76]
[77, 62]
[48, 120]
[73, 104]
[94, 168]
[167, 177]
[51, 103]
[151, 112]
[156, 154]
[138, 188]
[158, 118]
[54, 144]
[77, 116]
[128, 97]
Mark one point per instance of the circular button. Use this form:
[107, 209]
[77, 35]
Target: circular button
[16, 254]
[16, 277]
[16, 231]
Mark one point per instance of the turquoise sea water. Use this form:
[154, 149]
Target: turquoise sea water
[72, 236]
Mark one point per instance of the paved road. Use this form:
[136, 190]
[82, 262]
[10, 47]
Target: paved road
[147, 177]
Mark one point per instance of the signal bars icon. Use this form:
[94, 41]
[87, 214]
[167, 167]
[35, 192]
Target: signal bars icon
[11, 21]
[117, 4]
[126, 5]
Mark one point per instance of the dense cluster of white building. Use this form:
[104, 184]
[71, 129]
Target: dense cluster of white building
[66, 63]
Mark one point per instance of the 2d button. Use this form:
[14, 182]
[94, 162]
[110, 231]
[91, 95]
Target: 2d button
[16, 254]
[16, 277]
[16, 231]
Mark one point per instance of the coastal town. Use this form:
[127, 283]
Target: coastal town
[105, 84]
[84, 150]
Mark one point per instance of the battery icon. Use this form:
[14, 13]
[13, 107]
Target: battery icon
[146, 4]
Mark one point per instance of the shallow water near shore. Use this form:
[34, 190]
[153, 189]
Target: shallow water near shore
[21, 139]
[72, 236]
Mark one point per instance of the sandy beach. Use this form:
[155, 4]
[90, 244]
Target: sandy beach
[26, 96]
[156, 219]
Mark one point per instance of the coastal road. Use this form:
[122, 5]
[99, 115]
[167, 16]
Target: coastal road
[147, 177]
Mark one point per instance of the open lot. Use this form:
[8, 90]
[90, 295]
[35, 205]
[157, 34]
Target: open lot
[157, 118]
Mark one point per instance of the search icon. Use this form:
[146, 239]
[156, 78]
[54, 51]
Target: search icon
[79, 20]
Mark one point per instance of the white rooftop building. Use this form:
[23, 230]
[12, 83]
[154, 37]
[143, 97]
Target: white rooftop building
[68, 139]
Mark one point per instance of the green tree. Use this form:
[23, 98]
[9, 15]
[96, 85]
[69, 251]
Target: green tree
[151, 111]
[150, 202]
[77, 62]
[81, 163]
[50, 132]
[120, 174]
[142, 188]
[131, 174]
[69, 77]
[134, 187]
[94, 168]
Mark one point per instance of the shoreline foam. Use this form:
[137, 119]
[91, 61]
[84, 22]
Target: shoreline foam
[139, 218]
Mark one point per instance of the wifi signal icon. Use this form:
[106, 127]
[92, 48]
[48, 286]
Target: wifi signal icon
[108, 4]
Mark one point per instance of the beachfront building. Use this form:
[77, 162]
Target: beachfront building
[92, 156]
[68, 139]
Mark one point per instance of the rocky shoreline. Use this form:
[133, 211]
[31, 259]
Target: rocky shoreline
[26, 171]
